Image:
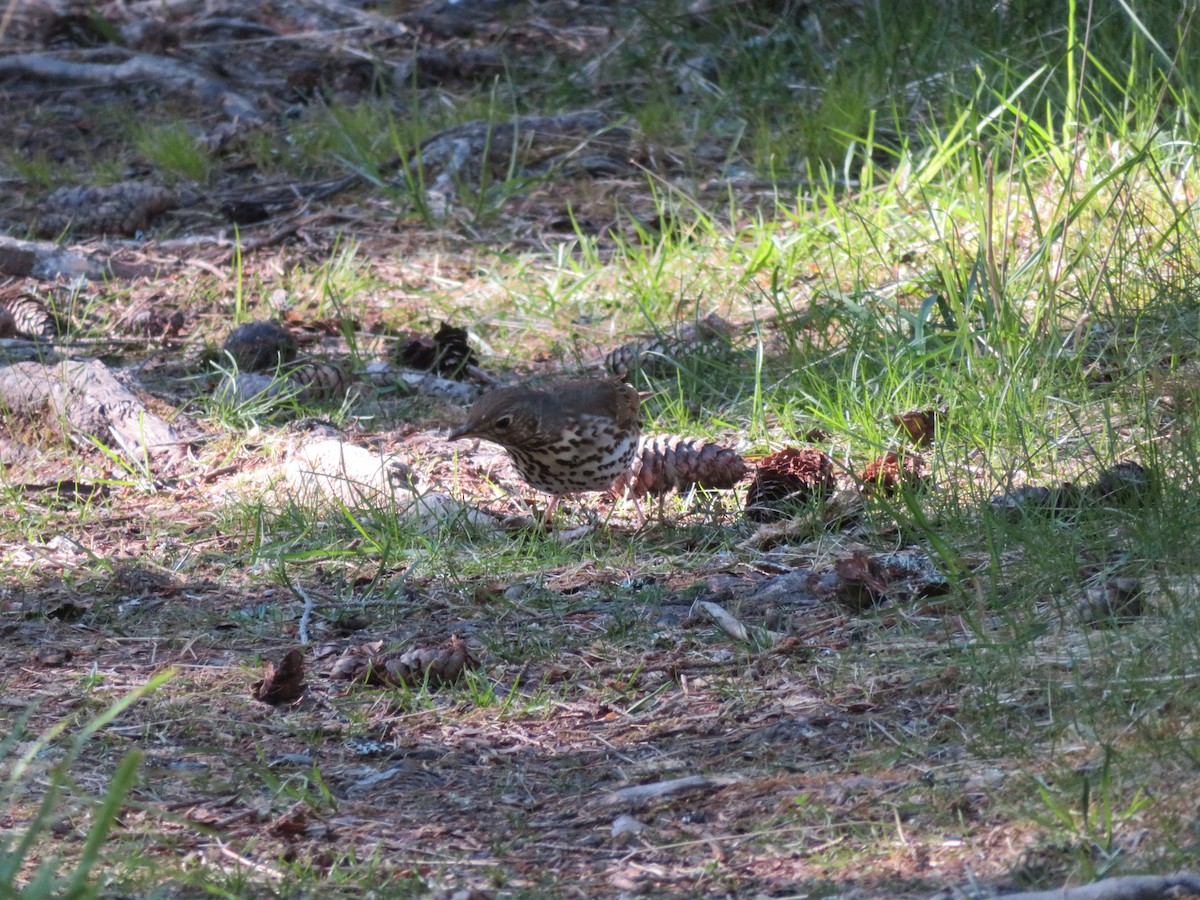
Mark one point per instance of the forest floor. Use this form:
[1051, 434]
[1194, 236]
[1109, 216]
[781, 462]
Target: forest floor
[664, 700]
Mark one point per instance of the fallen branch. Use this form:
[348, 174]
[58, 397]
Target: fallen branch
[639, 794]
[91, 405]
[134, 68]
[1132, 887]
[306, 615]
[734, 628]
[524, 145]
[336, 14]
[48, 261]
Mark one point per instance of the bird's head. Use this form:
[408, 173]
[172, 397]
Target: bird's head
[508, 417]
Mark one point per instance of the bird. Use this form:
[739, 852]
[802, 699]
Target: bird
[563, 437]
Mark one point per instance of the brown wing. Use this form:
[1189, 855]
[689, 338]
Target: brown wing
[628, 403]
[597, 397]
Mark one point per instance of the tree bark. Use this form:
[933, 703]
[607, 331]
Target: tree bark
[91, 406]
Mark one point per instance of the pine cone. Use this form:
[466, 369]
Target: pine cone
[282, 683]
[657, 355]
[124, 208]
[31, 317]
[320, 381]
[921, 425]
[433, 666]
[790, 477]
[888, 472]
[446, 353]
[668, 462]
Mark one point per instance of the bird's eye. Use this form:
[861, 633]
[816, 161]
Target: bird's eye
[503, 423]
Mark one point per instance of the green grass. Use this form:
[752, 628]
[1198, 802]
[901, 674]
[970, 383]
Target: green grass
[176, 150]
[56, 875]
[35, 169]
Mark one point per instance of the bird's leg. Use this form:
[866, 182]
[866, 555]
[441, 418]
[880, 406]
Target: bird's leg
[637, 508]
[563, 535]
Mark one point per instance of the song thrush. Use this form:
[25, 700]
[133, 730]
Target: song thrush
[563, 437]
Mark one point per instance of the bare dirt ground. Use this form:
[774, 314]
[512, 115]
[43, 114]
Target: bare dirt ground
[603, 675]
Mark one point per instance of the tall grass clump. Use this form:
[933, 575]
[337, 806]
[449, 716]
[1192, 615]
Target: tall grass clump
[20, 849]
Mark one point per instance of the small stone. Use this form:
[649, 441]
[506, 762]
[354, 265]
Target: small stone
[627, 825]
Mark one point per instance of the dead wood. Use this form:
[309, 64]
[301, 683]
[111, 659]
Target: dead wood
[1133, 887]
[734, 628]
[177, 9]
[327, 15]
[47, 261]
[639, 794]
[335, 472]
[89, 403]
[228, 243]
[107, 67]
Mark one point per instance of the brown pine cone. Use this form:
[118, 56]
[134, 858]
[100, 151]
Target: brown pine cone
[668, 462]
[30, 317]
[658, 355]
[320, 381]
[283, 682]
[432, 666]
[446, 353]
[887, 473]
[788, 478]
[124, 208]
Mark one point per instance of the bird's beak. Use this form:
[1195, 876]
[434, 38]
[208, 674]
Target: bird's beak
[459, 433]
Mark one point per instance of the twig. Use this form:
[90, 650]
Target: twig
[736, 629]
[643, 793]
[1132, 887]
[256, 866]
[306, 616]
[135, 69]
